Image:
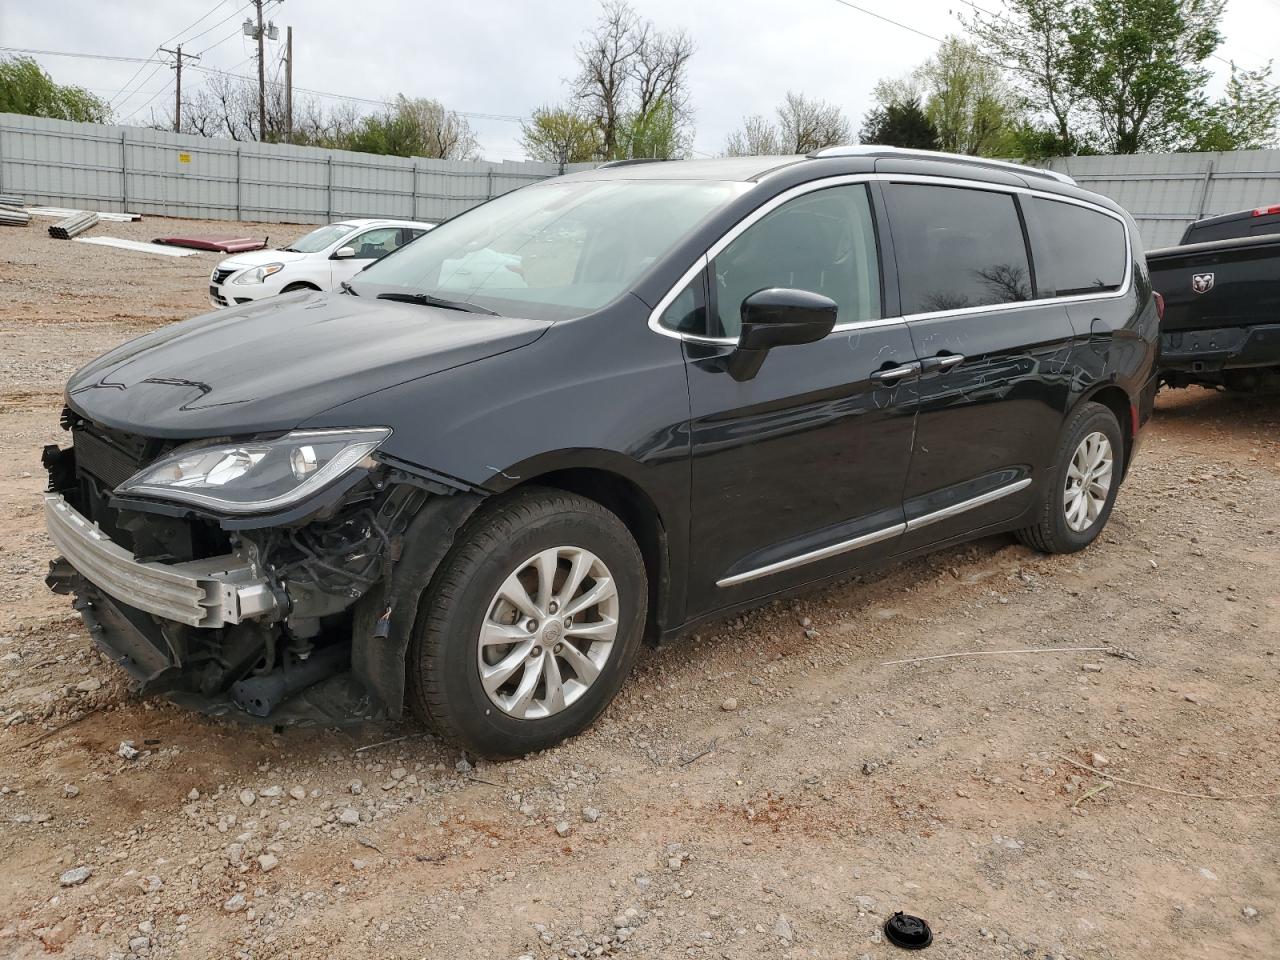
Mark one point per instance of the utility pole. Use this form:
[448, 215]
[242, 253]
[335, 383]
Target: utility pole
[261, 32]
[262, 78]
[177, 95]
[288, 84]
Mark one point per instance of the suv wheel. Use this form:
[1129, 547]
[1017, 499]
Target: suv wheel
[530, 626]
[1081, 488]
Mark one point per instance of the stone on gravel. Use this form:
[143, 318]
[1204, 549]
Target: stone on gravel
[235, 903]
[127, 750]
[270, 792]
[247, 797]
[349, 816]
[563, 828]
[70, 790]
[75, 876]
[590, 814]
[1249, 913]
[268, 862]
[730, 704]
[783, 929]
[298, 793]
[89, 685]
[194, 794]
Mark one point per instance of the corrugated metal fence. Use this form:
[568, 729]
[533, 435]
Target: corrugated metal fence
[1167, 191]
[167, 174]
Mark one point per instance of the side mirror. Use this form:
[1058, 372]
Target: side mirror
[344, 253]
[777, 317]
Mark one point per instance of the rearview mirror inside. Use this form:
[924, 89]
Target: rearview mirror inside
[776, 317]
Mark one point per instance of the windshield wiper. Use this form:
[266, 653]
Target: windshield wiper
[427, 300]
[348, 288]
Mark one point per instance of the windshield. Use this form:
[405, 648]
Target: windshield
[555, 250]
[317, 240]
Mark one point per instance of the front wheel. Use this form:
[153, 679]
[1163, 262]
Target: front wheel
[530, 626]
[1080, 489]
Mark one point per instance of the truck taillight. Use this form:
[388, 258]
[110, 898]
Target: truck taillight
[1159, 304]
[1264, 211]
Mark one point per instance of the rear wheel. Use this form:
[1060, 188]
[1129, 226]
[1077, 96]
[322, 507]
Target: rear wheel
[530, 626]
[1080, 490]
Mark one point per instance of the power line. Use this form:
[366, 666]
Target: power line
[128, 83]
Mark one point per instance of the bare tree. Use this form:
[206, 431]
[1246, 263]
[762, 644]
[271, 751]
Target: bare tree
[633, 77]
[804, 125]
[605, 61]
[757, 138]
[442, 134]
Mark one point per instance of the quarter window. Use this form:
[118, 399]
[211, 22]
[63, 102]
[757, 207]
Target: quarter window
[957, 247]
[823, 242]
[1078, 250]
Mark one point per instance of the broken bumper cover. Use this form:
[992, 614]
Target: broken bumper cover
[209, 593]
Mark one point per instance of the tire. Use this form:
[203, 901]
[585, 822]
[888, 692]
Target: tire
[1056, 529]
[466, 596]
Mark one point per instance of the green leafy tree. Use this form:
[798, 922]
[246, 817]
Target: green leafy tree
[1140, 69]
[559, 135]
[900, 125]
[655, 133]
[1247, 117]
[414, 127]
[967, 99]
[25, 88]
[1122, 76]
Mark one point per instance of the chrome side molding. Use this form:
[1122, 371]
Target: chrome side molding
[866, 539]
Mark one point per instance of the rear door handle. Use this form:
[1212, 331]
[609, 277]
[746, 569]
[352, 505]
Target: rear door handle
[891, 375]
[941, 363]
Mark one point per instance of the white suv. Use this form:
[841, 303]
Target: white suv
[320, 260]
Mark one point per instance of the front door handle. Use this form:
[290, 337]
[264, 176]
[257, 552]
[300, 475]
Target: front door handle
[891, 375]
[941, 363]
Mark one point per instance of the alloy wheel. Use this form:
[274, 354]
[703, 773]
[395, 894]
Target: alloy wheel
[1088, 481]
[548, 632]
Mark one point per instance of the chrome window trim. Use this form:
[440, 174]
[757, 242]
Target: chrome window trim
[866, 539]
[799, 190]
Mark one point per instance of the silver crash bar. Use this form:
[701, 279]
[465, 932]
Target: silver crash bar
[200, 593]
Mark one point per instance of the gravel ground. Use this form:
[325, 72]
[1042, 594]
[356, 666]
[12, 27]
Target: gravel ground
[773, 786]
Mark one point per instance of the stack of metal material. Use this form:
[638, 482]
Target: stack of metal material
[12, 217]
[10, 201]
[73, 225]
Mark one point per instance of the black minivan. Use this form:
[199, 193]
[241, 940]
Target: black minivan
[594, 411]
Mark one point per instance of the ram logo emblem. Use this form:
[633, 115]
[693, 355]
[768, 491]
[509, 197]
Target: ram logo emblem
[1202, 282]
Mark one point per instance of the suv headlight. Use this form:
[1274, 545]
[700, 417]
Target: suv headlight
[258, 274]
[258, 476]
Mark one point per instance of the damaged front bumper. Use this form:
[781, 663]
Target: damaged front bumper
[200, 593]
[302, 617]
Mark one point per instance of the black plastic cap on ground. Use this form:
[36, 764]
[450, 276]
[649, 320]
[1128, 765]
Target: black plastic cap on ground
[908, 932]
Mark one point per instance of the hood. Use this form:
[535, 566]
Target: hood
[256, 258]
[272, 364]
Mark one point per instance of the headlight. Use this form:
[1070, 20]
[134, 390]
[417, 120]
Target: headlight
[255, 477]
[258, 274]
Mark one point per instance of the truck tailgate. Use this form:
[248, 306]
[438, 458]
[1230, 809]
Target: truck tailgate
[1223, 283]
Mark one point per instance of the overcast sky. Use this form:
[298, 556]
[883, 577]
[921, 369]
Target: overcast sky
[507, 57]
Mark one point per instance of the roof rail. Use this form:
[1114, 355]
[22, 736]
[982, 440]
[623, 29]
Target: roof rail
[631, 162]
[875, 150]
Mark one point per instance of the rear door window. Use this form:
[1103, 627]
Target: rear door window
[1077, 250]
[823, 242]
[957, 247]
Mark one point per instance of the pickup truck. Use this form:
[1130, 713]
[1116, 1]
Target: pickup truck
[1221, 289]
